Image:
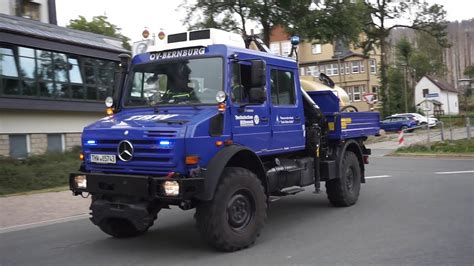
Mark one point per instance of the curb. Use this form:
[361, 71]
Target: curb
[433, 155]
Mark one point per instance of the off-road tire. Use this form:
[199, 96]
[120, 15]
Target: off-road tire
[236, 215]
[344, 191]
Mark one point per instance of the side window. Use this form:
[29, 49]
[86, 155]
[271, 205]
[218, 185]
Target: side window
[240, 88]
[282, 86]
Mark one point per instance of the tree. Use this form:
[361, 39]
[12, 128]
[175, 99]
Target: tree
[99, 25]
[337, 20]
[384, 16]
[469, 71]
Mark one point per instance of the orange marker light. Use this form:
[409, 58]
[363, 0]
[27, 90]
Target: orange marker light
[219, 143]
[81, 156]
[221, 107]
[228, 142]
[192, 159]
[109, 111]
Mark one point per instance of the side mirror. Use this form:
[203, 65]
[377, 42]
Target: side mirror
[257, 95]
[257, 73]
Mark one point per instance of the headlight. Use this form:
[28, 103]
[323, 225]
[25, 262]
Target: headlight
[80, 181]
[171, 188]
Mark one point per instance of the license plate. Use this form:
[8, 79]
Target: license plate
[102, 158]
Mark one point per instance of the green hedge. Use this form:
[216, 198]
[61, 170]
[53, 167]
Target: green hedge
[37, 172]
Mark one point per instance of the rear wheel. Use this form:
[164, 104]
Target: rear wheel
[234, 218]
[403, 128]
[344, 191]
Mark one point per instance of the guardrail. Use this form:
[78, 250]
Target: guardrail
[434, 131]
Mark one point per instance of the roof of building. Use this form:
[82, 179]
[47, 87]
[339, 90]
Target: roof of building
[42, 30]
[443, 85]
[435, 102]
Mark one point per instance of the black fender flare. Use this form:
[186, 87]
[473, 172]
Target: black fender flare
[233, 155]
[353, 146]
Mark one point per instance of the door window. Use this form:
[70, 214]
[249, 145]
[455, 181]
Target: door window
[282, 87]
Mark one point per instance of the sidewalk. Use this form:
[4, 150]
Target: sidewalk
[42, 207]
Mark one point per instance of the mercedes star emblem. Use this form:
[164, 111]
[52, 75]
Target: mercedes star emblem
[125, 150]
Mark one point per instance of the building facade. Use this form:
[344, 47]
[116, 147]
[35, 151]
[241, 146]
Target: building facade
[356, 73]
[437, 96]
[53, 82]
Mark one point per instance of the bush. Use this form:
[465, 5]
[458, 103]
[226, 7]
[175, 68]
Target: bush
[37, 172]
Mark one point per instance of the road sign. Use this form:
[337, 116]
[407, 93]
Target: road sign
[432, 95]
[369, 97]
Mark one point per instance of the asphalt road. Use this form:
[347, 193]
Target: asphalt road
[411, 211]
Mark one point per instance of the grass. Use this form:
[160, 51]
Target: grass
[38, 172]
[462, 146]
[455, 120]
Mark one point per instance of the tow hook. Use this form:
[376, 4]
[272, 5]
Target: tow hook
[185, 205]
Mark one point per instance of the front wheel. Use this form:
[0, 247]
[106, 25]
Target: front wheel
[344, 191]
[234, 218]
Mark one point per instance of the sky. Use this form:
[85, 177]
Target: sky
[133, 16]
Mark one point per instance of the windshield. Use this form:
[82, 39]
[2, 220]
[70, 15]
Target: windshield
[194, 81]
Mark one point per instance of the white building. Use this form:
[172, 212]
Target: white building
[436, 90]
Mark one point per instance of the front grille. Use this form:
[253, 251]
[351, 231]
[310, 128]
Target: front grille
[148, 157]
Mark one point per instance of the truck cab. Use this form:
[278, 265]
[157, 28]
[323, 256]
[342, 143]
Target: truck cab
[203, 122]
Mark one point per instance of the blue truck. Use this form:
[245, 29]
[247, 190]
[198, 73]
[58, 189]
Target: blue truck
[202, 122]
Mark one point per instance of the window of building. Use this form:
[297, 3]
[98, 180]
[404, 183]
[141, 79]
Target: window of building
[55, 143]
[322, 69]
[18, 145]
[425, 92]
[373, 66]
[375, 91]
[355, 67]
[312, 71]
[282, 87]
[42, 73]
[285, 48]
[347, 67]
[30, 9]
[316, 48]
[275, 48]
[356, 91]
[362, 66]
[332, 69]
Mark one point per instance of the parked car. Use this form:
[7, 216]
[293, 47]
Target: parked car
[421, 120]
[396, 123]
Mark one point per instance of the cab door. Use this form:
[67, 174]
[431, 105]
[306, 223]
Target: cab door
[287, 114]
[250, 120]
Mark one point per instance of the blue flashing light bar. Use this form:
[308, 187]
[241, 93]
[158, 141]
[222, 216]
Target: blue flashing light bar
[165, 142]
[91, 142]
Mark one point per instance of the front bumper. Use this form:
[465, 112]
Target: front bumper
[137, 186]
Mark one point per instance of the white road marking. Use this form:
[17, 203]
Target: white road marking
[43, 223]
[377, 176]
[454, 172]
